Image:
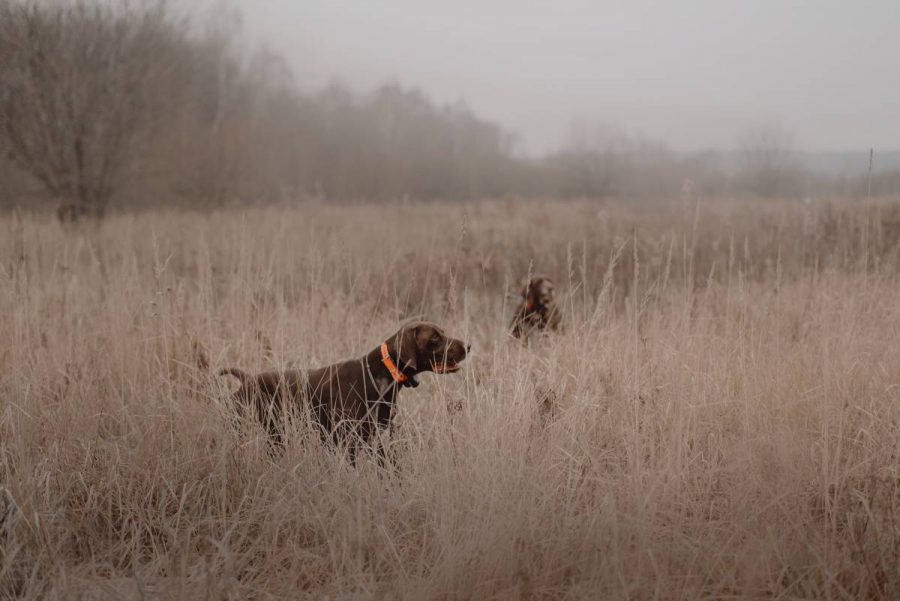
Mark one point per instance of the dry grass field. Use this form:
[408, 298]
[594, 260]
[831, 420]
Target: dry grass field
[718, 421]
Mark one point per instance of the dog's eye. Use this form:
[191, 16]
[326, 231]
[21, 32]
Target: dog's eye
[435, 337]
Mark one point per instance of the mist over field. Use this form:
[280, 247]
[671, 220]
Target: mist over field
[671, 235]
[692, 74]
[199, 104]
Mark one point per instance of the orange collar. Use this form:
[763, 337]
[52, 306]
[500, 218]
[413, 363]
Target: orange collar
[390, 365]
[529, 306]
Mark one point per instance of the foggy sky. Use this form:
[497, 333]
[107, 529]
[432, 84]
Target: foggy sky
[692, 73]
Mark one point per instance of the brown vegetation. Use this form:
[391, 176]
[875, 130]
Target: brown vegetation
[719, 421]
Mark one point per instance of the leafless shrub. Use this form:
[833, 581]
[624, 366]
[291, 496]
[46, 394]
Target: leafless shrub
[81, 84]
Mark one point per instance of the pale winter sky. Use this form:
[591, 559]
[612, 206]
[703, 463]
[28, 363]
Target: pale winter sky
[693, 73]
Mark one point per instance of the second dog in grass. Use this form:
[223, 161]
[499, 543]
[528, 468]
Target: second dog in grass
[537, 311]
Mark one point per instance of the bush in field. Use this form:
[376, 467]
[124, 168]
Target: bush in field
[81, 86]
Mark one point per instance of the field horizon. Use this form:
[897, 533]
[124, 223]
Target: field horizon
[718, 419]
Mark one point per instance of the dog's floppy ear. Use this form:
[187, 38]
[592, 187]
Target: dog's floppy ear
[424, 333]
[529, 294]
[406, 343]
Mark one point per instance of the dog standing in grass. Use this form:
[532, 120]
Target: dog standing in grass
[349, 400]
[537, 311]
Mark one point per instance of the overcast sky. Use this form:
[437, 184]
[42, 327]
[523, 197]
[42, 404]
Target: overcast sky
[692, 73]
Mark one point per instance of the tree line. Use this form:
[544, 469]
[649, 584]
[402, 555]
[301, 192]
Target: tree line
[106, 104]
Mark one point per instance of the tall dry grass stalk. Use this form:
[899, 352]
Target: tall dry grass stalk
[719, 421]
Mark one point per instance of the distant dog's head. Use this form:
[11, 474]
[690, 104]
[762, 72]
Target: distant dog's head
[537, 292]
[423, 346]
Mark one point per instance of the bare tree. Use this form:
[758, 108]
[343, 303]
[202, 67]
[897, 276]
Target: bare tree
[79, 87]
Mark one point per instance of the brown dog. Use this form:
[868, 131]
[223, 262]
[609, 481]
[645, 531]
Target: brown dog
[348, 400]
[537, 311]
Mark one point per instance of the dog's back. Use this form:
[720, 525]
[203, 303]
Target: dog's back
[335, 396]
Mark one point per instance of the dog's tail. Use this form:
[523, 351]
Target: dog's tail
[237, 373]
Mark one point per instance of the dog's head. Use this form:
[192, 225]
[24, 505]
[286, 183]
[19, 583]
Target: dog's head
[423, 346]
[537, 292]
